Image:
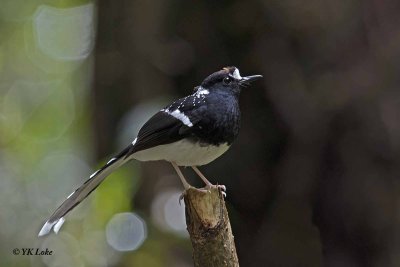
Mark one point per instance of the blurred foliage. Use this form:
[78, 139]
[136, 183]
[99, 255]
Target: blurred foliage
[46, 140]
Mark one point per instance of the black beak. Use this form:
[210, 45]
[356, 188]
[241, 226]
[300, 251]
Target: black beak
[249, 79]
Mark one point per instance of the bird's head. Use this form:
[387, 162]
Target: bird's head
[228, 79]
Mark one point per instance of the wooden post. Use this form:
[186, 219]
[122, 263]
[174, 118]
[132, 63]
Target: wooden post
[209, 229]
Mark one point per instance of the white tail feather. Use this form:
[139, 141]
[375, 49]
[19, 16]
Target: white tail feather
[56, 220]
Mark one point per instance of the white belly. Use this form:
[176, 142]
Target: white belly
[183, 153]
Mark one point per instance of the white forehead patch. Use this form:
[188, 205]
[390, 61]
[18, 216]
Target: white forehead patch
[236, 74]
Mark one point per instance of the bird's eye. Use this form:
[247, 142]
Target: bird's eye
[227, 80]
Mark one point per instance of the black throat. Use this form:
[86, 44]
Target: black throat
[220, 120]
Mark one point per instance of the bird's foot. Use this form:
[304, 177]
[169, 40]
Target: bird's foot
[206, 189]
[221, 188]
[183, 195]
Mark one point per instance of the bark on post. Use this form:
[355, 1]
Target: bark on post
[209, 229]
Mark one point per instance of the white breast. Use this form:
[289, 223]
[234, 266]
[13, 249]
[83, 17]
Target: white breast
[183, 153]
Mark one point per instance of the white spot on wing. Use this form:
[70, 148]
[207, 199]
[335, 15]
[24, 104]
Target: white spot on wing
[134, 141]
[201, 92]
[180, 116]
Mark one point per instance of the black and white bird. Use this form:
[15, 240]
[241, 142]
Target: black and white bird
[192, 131]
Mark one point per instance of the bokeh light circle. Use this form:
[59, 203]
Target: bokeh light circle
[126, 231]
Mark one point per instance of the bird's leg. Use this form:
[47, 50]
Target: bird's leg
[207, 182]
[186, 185]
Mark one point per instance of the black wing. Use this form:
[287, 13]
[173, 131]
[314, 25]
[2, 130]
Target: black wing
[164, 128]
[160, 129]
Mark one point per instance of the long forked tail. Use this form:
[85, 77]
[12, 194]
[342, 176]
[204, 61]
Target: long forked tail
[56, 220]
